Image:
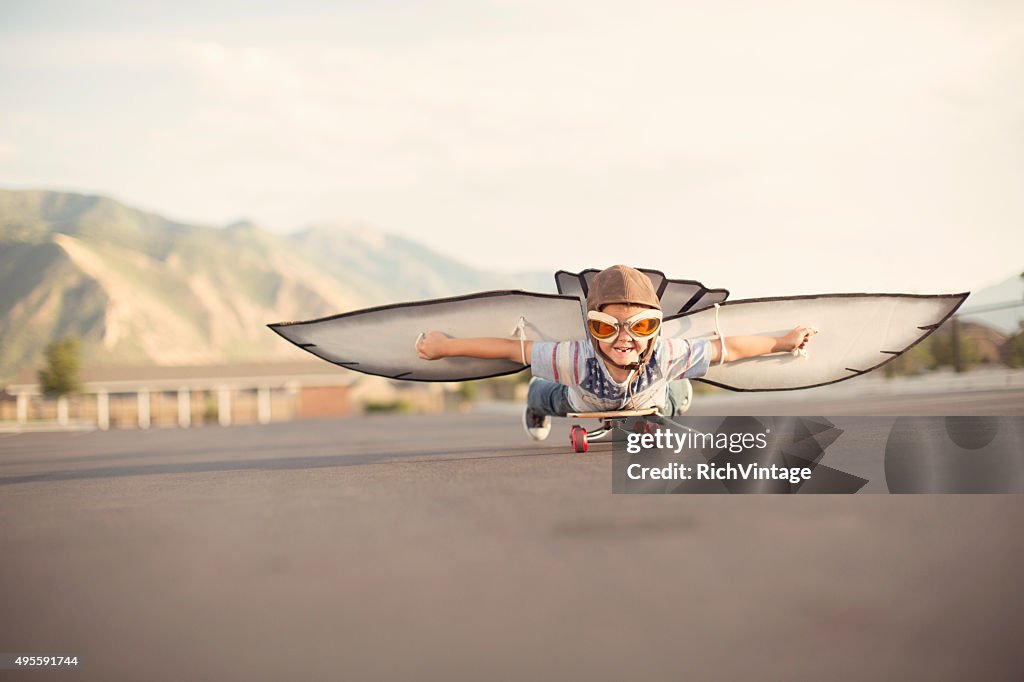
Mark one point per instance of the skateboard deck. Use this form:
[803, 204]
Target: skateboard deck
[580, 438]
[617, 414]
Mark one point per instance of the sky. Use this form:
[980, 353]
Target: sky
[771, 148]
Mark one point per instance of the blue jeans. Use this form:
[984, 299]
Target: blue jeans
[548, 398]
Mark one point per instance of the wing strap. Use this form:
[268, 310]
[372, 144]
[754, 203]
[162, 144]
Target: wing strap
[520, 330]
[721, 337]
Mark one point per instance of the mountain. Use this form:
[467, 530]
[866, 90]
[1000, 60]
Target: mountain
[137, 288]
[395, 268]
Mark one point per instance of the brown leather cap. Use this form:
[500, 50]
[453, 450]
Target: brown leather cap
[621, 284]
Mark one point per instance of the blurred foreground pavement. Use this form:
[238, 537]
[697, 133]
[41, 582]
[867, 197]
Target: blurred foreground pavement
[452, 547]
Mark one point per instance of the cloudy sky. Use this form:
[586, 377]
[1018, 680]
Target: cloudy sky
[768, 147]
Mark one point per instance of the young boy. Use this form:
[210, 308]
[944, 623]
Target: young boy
[625, 365]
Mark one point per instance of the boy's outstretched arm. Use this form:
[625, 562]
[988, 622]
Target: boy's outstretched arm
[435, 345]
[739, 347]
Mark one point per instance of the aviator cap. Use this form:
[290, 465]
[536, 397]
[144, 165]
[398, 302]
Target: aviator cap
[621, 284]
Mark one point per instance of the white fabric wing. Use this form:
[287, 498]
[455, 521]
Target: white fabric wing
[381, 341]
[857, 333]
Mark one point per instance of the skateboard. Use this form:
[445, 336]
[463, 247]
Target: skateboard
[580, 438]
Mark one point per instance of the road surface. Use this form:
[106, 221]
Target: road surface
[450, 547]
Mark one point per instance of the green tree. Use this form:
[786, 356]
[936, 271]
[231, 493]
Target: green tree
[468, 391]
[60, 376]
[914, 361]
[944, 349]
[1014, 348]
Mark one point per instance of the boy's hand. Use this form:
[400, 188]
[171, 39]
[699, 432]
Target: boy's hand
[430, 346]
[797, 339]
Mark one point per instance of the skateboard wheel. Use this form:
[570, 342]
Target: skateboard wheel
[578, 438]
[642, 426]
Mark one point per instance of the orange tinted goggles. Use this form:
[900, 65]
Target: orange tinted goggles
[641, 326]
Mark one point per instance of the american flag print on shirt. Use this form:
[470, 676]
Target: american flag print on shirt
[591, 388]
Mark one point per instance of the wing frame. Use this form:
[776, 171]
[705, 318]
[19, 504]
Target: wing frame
[659, 280]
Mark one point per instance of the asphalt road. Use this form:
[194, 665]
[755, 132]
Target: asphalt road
[451, 547]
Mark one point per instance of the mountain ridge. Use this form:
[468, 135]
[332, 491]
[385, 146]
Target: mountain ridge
[137, 288]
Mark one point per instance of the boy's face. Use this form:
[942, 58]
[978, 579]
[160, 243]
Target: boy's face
[623, 349]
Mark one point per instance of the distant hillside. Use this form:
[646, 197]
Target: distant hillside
[394, 268]
[138, 288]
[1007, 319]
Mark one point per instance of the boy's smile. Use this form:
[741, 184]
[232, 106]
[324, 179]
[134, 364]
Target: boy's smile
[623, 349]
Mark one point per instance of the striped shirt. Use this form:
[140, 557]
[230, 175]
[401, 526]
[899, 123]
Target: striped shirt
[591, 389]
